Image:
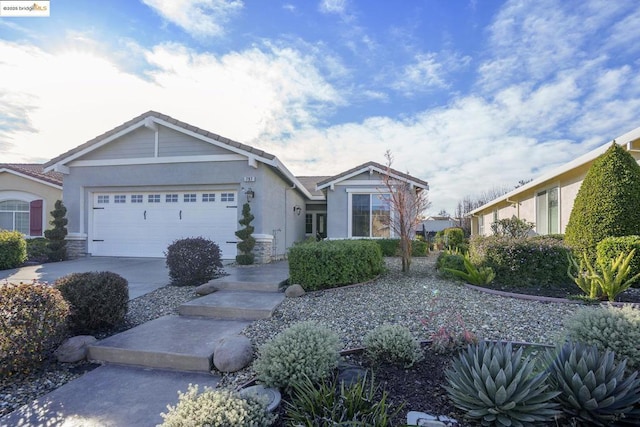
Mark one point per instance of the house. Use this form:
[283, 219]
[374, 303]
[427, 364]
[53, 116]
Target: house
[547, 201]
[27, 195]
[136, 188]
[430, 226]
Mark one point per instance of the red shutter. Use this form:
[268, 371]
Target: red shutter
[35, 213]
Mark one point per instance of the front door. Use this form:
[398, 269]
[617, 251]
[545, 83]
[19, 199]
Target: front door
[321, 225]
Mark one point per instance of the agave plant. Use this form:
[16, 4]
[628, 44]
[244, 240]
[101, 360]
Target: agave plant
[479, 276]
[593, 387]
[497, 386]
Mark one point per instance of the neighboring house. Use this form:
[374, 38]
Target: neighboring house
[136, 188]
[430, 226]
[547, 201]
[27, 195]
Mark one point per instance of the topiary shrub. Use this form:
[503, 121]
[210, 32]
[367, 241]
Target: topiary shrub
[592, 388]
[333, 263]
[305, 350]
[247, 241]
[13, 249]
[496, 386]
[32, 323]
[539, 262]
[57, 244]
[608, 328]
[216, 408]
[611, 247]
[328, 403]
[393, 344]
[98, 300]
[607, 203]
[193, 261]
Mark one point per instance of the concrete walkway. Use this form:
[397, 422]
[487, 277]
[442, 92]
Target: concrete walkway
[146, 366]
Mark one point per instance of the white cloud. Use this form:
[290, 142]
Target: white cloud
[333, 6]
[200, 18]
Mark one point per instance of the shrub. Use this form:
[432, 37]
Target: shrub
[98, 300]
[193, 261]
[57, 244]
[496, 386]
[452, 237]
[32, 323]
[513, 227]
[419, 248]
[328, 404]
[13, 249]
[592, 387]
[247, 241]
[37, 250]
[610, 278]
[479, 276]
[608, 328]
[391, 247]
[522, 262]
[393, 344]
[333, 263]
[610, 247]
[216, 408]
[607, 203]
[306, 349]
[449, 261]
[447, 340]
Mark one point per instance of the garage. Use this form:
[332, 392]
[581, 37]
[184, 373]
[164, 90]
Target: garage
[143, 224]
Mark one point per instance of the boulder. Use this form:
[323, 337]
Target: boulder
[74, 349]
[206, 289]
[232, 353]
[294, 291]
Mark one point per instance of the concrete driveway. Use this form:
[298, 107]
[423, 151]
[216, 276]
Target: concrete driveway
[143, 274]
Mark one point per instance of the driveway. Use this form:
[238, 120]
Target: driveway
[143, 274]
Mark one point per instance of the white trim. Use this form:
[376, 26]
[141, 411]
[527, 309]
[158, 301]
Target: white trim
[23, 175]
[368, 182]
[370, 169]
[367, 190]
[158, 160]
[350, 214]
[23, 196]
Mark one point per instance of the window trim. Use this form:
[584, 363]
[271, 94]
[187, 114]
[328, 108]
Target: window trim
[559, 221]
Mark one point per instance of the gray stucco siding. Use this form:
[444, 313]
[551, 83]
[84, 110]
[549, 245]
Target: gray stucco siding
[173, 143]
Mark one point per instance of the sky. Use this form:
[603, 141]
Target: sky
[469, 95]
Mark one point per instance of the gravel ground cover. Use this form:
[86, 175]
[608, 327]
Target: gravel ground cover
[421, 301]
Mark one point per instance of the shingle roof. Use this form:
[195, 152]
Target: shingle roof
[311, 182]
[168, 119]
[366, 166]
[35, 171]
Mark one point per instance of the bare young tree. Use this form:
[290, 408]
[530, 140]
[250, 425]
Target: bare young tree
[407, 203]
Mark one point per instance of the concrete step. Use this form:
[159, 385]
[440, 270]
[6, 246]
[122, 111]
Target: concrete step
[239, 285]
[245, 305]
[169, 342]
[262, 278]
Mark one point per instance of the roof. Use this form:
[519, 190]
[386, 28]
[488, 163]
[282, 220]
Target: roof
[70, 155]
[311, 182]
[368, 167]
[33, 170]
[623, 140]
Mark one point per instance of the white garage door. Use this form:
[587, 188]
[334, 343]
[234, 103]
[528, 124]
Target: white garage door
[144, 224]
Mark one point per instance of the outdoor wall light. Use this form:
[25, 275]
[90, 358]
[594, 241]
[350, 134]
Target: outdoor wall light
[297, 210]
[250, 194]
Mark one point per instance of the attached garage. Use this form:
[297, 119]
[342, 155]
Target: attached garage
[143, 224]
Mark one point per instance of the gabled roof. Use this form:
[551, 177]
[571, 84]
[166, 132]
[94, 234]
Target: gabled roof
[371, 167]
[311, 182]
[33, 171]
[624, 141]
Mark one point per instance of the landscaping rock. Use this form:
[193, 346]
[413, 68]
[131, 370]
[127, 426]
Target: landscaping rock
[206, 289]
[294, 291]
[74, 349]
[415, 418]
[232, 353]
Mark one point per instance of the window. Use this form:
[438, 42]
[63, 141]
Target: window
[370, 215]
[190, 198]
[153, 198]
[136, 198]
[120, 198]
[102, 200]
[14, 216]
[547, 211]
[308, 223]
[481, 225]
[209, 197]
[171, 198]
[227, 197]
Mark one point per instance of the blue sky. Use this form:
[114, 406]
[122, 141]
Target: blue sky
[468, 95]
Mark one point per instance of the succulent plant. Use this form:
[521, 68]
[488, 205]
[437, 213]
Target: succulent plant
[497, 386]
[593, 386]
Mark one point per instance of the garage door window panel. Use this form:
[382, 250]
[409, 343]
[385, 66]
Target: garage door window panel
[153, 198]
[171, 198]
[190, 198]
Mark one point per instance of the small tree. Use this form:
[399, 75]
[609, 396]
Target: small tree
[245, 235]
[57, 244]
[608, 202]
[407, 204]
[513, 227]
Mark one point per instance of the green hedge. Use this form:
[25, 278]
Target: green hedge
[611, 247]
[391, 247]
[448, 260]
[333, 263]
[13, 249]
[539, 262]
